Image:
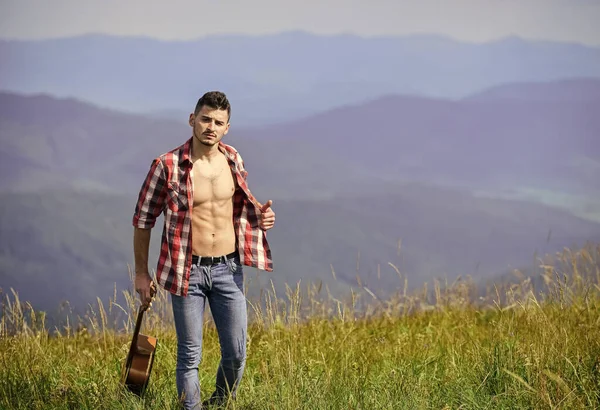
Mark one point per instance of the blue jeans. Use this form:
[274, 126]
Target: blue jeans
[222, 285]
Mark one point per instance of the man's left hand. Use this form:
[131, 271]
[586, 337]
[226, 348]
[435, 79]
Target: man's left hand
[267, 216]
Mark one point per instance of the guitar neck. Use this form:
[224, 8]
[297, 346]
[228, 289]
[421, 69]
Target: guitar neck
[138, 325]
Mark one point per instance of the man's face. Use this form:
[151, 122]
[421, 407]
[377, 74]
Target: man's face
[209, 125]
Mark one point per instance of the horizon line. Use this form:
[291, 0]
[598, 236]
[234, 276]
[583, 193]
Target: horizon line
[430, 35]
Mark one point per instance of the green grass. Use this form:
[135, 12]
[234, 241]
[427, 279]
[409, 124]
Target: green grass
[511, 349]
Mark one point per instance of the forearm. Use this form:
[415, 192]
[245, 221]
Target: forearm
[141, 245]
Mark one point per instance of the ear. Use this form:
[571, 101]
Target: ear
[192, 120]
[226, 129]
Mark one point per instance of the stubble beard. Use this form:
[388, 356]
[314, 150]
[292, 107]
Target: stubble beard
[205, 143]
[208, 143]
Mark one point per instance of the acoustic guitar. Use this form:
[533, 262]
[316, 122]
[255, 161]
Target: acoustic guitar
[138, 365]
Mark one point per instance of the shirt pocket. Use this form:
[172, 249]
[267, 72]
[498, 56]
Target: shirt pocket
[177, 199]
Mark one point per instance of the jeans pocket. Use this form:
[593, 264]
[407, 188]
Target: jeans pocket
[198, 277]
[235, 265]
[237, 272]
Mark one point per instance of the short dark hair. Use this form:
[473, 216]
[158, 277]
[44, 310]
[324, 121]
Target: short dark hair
[215, 100]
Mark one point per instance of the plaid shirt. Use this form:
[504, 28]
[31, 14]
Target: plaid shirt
[168, 189]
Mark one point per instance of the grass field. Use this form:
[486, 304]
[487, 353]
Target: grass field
[442, 348]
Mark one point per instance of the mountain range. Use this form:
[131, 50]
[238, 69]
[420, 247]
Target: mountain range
[279, 77]
[397, 179]
[497, 140]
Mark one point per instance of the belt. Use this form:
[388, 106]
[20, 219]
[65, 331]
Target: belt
[212, 260]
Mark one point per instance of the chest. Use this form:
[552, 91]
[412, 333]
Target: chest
[212, 181]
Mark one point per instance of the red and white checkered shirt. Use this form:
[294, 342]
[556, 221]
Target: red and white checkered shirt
[168, 188]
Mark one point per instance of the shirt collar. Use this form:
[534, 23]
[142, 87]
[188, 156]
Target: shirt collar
[186, 154]
[228, 152]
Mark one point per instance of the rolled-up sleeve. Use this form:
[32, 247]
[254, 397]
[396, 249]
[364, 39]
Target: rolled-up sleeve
[151, 199]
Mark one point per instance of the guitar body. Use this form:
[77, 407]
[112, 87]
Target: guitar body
[138, 366]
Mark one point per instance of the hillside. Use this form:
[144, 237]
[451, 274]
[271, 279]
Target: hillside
[491, 144]
[307, 351]
[75, 246]
[54, 142]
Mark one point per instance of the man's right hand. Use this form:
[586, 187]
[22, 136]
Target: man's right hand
[144, 285]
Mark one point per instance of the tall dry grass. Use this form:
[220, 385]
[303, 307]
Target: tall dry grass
[532, 344]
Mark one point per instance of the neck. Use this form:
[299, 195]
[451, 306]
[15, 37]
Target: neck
[201, 151]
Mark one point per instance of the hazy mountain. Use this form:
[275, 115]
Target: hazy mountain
[491, 143]
[278, 77]
[579, 90]
[63, 142]
[482, 143]
[76, 246]
[341, 182]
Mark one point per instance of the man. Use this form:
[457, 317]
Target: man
[213, 226]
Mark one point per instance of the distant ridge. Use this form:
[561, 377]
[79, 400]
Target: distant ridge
[293, 74]
[566, 90]
[432, 37]
[397, 137]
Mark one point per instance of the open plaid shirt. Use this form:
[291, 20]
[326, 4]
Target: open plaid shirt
[168, 189]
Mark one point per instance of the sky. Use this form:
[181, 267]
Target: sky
[467, 20]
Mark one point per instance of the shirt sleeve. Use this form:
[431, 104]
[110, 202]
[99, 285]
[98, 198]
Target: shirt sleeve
[151, 199]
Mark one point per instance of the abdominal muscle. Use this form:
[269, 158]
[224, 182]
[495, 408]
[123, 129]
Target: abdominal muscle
[212, 214]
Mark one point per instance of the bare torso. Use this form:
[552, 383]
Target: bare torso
[212, 213]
